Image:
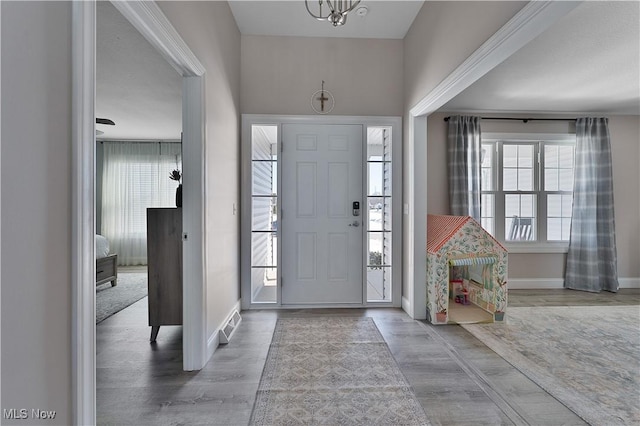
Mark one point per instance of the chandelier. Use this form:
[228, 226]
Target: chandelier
[336, 13]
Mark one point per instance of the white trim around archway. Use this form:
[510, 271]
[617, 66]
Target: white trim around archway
[156, 28]
[527, 24]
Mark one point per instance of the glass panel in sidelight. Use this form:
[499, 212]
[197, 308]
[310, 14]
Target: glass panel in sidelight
[264, 142]
[264, 176]
[379, 213]
[264, 215]
[375, 210]
[378, 144]
[264, 249]
[264, 285]
[379, 248]
[379, 284]
[376, 181]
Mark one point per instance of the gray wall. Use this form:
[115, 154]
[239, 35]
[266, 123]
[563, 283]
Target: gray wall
[36, 208]
[625, 156]
[625, 152]
[279, 75]
[36, 188]
[443, 35]
[211, 32]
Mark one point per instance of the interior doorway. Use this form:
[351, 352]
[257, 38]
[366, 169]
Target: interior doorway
[138, 151]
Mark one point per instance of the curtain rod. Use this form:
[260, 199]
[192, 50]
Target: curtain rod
[137, 141]
[524, 120]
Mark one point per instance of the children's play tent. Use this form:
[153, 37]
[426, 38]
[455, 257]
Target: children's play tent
[465, 259]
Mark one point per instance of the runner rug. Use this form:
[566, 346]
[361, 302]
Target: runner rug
[587, 357]
[333, 371]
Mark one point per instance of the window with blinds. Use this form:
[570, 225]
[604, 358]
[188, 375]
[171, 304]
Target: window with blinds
[527, 190]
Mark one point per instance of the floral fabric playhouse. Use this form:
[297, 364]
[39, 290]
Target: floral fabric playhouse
[462, 256]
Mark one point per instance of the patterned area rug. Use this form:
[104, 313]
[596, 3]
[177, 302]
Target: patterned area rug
[333, 371]
[587, 357]
[132, 286]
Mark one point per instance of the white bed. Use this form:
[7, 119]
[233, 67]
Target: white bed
[106, 269]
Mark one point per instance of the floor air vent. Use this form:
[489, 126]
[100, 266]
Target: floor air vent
[227, 331]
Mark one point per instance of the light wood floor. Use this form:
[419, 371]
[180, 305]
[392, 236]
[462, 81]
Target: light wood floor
[457, 379]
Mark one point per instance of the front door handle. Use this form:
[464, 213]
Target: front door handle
[355, 224]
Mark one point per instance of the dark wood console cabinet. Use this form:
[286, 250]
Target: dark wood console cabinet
[164, 258]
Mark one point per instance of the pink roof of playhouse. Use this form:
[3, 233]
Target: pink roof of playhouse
[441, 228]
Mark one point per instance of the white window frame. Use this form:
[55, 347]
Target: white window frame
[540, 139]
[386, 233]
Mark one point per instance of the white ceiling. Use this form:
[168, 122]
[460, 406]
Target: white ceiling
[384, 19]
[135, 86]
[587, 62]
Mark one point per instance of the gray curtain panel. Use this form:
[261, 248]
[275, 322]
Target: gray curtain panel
[592, 257]
[463, 140]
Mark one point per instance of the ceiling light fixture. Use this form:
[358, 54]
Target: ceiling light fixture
[337, 13]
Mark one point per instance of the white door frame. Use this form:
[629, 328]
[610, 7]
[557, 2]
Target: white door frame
[245, 247]
[531, 21]
[156, 28]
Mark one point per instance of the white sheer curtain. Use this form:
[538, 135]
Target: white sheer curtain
[135, 177]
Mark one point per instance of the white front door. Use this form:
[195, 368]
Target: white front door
[321, 237]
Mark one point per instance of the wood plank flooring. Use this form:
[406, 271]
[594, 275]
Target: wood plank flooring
[457, 379]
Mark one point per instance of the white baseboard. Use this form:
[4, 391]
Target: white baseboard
[629, 282]
[214, 340]
[406, 305]
[213, 343]
[535, 283]
[558, 283]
